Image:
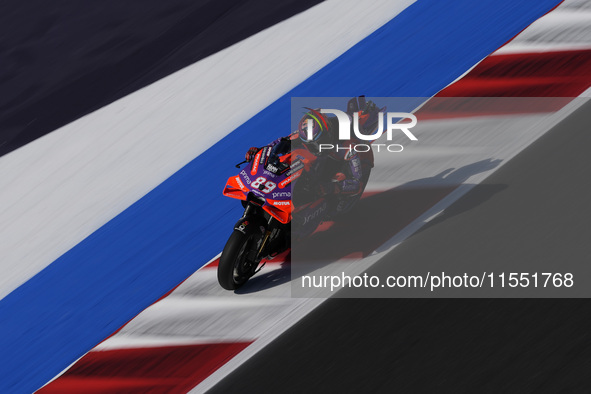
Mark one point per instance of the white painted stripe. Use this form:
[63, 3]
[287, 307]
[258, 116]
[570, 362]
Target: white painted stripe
[565, 28]
[145, 341]
[537, 48]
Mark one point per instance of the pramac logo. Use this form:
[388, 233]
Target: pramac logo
[255, 163]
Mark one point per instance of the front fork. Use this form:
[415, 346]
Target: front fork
[255, 216]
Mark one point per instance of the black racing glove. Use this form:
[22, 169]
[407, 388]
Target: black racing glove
[251, 153]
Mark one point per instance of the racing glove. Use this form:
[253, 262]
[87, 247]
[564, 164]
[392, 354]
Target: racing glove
[251, 153]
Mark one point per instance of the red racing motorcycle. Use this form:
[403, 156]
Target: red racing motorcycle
[265, 188]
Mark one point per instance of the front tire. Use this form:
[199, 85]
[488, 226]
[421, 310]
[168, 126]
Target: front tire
[239, 258]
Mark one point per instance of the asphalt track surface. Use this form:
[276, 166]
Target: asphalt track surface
[460, 345]
[61, 61]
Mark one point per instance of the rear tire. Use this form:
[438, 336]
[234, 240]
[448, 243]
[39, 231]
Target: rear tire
[238, 260]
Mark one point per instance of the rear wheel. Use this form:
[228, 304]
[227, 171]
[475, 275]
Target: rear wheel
[239, 258]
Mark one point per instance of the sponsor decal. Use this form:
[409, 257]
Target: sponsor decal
[272, 168]
[286, 181]
[240, 183]
[281, 202]
[242, 227]
[281, 194]
[245, 176]
[255, 163]
[315, 214]
[266, 152]
[298, 165]
[257, 192]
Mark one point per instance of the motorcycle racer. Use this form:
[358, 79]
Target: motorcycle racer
[293, 185]
[342, 173]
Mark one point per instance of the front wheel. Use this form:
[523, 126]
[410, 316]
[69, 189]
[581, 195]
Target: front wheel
[239, 258]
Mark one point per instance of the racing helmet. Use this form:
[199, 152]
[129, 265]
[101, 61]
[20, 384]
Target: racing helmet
[313, 130]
